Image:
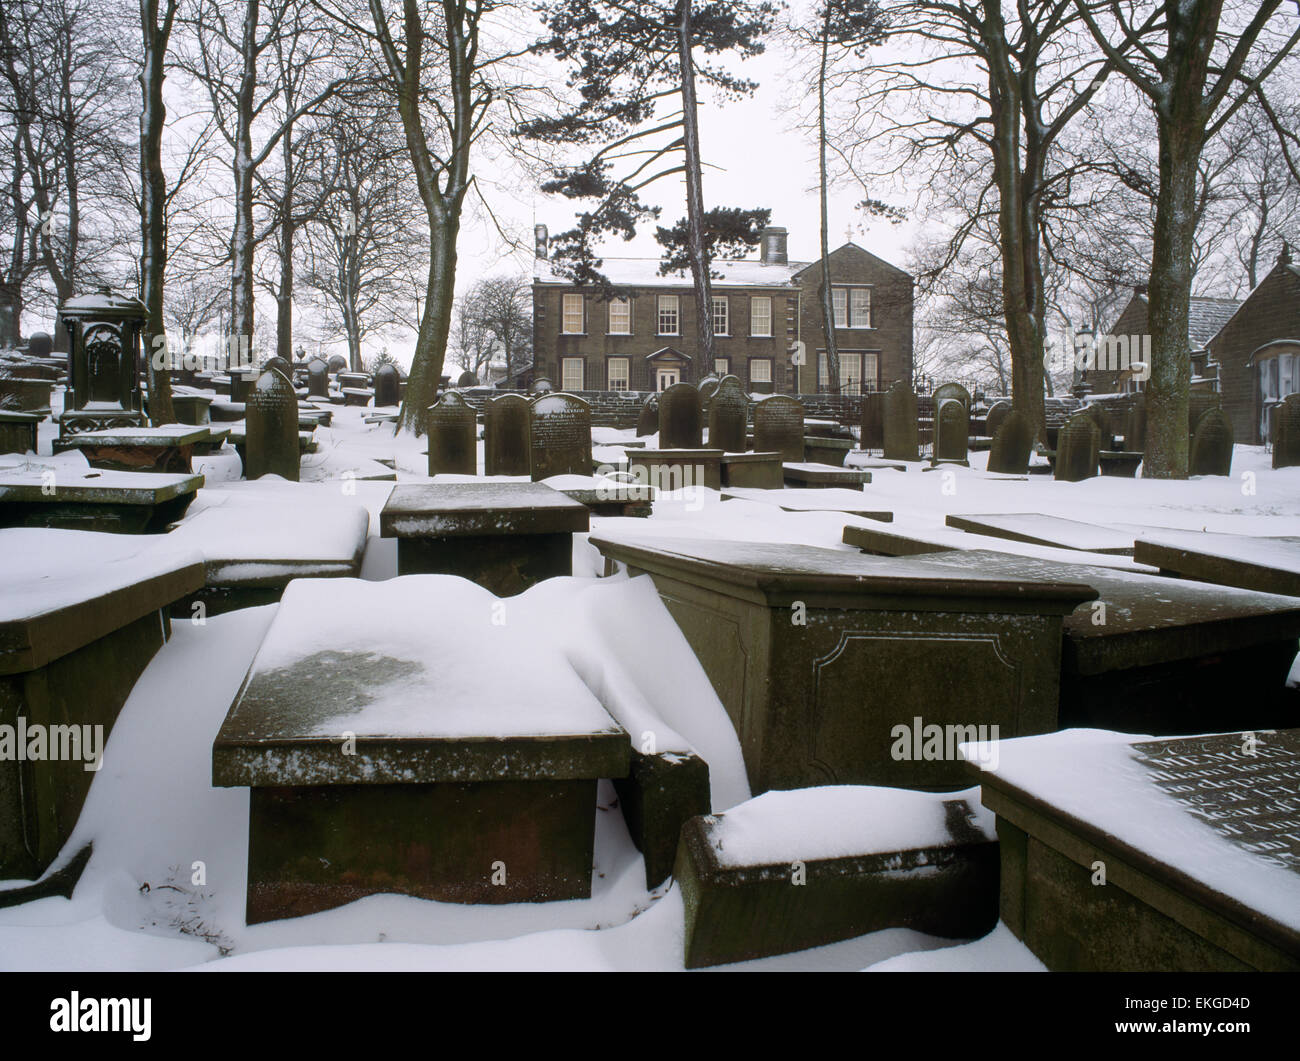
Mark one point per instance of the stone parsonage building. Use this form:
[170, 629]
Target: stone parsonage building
[645, 341]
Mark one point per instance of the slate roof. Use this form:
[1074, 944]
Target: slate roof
[644, 272]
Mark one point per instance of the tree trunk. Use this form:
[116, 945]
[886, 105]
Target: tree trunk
[241, 240]
[695, 200]
[284, 295]
[153, 206]
[1169, 299]
[828, 298]
[11, 308]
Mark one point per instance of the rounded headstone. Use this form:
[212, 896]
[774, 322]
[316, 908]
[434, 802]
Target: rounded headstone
[901, 435]
[559, 436]
[388, 386]
[728, 412]
[271, 439]
[993, 419]
[1013, 442]
[451, 426]
[318, 380]
[505, 435]
[39, 344]
[280, 365]
[949, 391]
[337, 363]
[681, 420]
[1078, 445]
[1211, 448]
[647, 421]
[778, 427]
[467, 379]
[951, 424]
[541, 385]
[708, 387]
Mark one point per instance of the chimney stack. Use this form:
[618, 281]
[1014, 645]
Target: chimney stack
[541, 239]
[772, 249]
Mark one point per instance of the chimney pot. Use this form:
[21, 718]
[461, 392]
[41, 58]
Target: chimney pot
[541, 239]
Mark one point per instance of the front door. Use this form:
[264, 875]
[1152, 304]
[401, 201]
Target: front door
[666, 377]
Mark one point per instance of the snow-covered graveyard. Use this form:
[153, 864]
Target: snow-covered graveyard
[287, 690]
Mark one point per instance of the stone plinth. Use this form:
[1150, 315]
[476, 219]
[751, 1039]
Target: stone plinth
[118, 502]
[676, 469]
[829, 451]
[816, 653]
[760, 471]
[504, 536]
[169, 448]
[18, 431]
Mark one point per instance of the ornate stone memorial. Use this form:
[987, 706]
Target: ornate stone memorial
[104, 381]
[559, 436]
[451, 424]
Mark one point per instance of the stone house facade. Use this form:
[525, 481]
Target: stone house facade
[645, 339]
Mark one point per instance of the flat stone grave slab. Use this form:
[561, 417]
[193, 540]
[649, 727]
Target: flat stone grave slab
[823, 475]
[18, 431]
[117, 502]
[227, 412]
[676, 469]
[788, 871]
[1056, 531]
[356, 395]
[389, 747]
[850, 502]
[1270, 564]
[168, 448]
[383, 418]
[1197, 839]
[80, 617]
[504, 536]
[251, 551]
[821, 450]
[605, 497]
[216, 438]
[816, 653]
[1163, 656]
[310, 418]
[877, 464]
[761, 471]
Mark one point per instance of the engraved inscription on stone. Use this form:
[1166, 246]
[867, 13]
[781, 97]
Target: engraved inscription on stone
[1245, 786]
[559, 428]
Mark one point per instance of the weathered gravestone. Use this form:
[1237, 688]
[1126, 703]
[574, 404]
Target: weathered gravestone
[280, 365]
[559, 436]
[647, 421]
[505, 435]
[778, 427]
[103, 378]
[951, 432]
[1077, 449]
[1105, 437]
[1211, 448]
[708, 388]
[388, 386]
[318, 380]
[272, 433]
[727, 415]
[1286, 435]
[337, 363]
[873, 421]
[950, 391]
[1214, 886]
[39, 344]
[1012, 444]
[993, 419]
[451, 423]
[681, 421]
[467, 379]
[1135, 424]
[900, 423]
[541, 385]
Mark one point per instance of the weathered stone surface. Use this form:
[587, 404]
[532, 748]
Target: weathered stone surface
[1175, 896]
[951, 432]
[820, 708]
[318, 382]
[873, 421]
[993, 419]
[1286, 433]
[1120, 463]
[103, 381]
[1135, 425]
[504, 536]
[647, 421]
[70, 660]
[337, 363]
[388, 386]
[676, 469]
[824, 475]
[829, 451]
[467, 379]
[945, 885]
[272, 428]
[708, 387]
[778, 427]
[559, 436]
[541, 385]
[1055, 531]
[1270, 565]
[117, 502]
[900, 424]
[18, 431]
[451, 425]
[1077, 449]
[1013, 442]
[951, 391]
[827, 499]
[168, 448]
[681, 421]
[1100, 417]
[1162, 656]
[39, 344]
[760, 470]
[505, 435]
[728, 411]
[1210, 452]
[660, 794]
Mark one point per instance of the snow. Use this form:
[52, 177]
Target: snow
[837, 821]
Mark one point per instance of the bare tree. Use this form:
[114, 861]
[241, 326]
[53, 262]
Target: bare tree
[503, 307]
